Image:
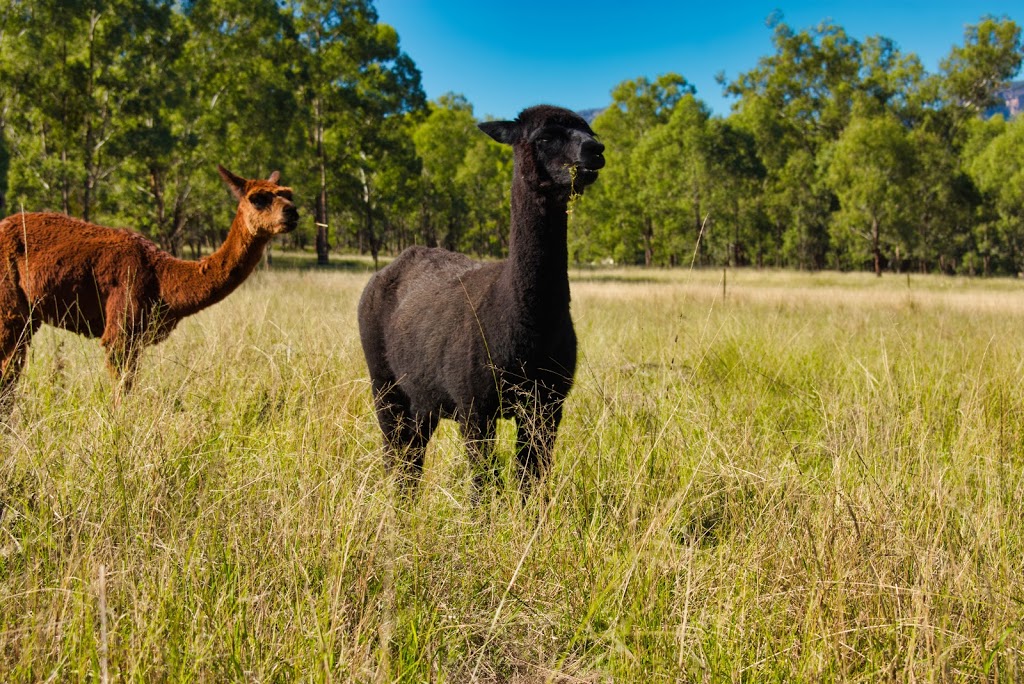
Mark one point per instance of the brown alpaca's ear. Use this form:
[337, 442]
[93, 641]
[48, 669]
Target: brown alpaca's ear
[235, 183]
[274, 177]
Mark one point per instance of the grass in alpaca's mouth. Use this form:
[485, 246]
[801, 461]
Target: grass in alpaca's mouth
[581, 176]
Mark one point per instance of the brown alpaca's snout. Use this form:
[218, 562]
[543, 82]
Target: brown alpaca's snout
[290, 218]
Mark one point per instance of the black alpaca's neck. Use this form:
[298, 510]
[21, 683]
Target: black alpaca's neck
[537, 265]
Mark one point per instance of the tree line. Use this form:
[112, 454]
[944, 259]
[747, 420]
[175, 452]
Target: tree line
[838, 152]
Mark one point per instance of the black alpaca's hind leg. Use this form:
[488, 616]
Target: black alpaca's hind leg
[405, 437]
[535, 443]
[479, 434]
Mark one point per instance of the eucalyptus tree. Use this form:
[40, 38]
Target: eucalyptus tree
[941, 205]
[484, 181]
[997, 169]
[795, 101]
[356, 85]
[398, 193]
[442, 141]
[676, 184]
[973, 74]
[737, 179]
[10, 26]
[615, 218]
[218, 88]
[869, 169]
[76, 80]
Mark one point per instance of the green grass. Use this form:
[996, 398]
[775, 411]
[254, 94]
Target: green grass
[818, 477]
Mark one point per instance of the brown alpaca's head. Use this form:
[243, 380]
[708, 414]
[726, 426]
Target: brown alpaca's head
[266, 208]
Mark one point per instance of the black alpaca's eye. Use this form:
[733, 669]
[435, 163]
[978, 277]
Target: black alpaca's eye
[261, 200]
[547, 136]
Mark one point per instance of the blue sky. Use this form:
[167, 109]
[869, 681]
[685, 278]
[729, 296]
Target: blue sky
[504, 56]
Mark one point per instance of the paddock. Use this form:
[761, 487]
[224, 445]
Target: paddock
[818, 477]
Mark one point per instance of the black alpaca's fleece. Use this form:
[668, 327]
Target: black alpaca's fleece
[449, 337]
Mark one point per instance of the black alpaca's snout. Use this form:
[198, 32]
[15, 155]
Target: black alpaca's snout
[592, 155]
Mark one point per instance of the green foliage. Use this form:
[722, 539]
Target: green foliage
[613, 217]
[868, 169]
[990, 56]
[484, 179]
[998, 171]
[839, 152]
[442, 142]
[123, 109]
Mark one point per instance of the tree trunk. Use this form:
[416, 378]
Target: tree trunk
[736, 248]
[372, 239]
[5, 161]
[65, 184]
[156, 189]
[368, 226]
[698, 227]
[876, 248]
[323, 245]
[648, 241]
[89, 154]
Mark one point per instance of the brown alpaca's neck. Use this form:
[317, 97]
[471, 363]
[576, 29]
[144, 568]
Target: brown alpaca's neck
[538, 255]
[190, 286]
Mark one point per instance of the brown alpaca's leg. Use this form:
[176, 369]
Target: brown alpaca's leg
[122, 347]
[12, 360]
[122, 363]
[16, 328]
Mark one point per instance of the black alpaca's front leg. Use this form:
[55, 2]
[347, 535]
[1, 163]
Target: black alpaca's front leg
[405, 436]
[535, 443]
[479, 434]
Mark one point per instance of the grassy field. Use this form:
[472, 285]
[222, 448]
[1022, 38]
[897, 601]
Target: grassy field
[812, 478]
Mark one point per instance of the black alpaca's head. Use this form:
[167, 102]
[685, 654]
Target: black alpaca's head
[565, 151]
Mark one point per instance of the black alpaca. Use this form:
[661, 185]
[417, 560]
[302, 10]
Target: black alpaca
[449, 337]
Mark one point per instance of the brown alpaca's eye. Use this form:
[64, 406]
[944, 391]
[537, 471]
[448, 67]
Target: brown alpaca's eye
[261, 200]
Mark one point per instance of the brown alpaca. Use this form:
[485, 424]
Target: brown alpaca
[117, 285]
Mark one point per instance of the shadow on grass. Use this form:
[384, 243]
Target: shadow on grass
[597, 274]
[305, 261]
[611, 278]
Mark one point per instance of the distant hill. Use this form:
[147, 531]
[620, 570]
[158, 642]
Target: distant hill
[1013, 101]
[590, 114]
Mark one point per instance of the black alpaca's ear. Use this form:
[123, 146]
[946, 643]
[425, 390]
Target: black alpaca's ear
[274, 177]
[502, 131]
[235, 183]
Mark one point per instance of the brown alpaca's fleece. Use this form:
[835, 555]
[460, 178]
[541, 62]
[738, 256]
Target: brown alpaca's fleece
[115, 284]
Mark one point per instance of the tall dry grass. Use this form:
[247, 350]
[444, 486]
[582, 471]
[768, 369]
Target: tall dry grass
[812, 478]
